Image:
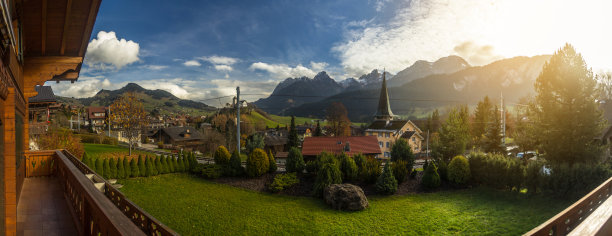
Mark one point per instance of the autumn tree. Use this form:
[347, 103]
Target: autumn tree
[128, 114]
[566, 112]
[337, 120]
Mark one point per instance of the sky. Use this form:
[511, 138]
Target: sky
[200, 50]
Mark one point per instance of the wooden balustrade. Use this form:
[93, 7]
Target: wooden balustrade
[95, 212]
[564, 222]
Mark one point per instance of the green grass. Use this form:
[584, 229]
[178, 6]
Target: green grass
[193, 206]
[97, 150]
[283, 121]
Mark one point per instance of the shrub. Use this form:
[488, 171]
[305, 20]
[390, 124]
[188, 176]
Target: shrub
[272, 167]
[86, 160]
[211, 171]
[348, 168]
[142, 167]
[181, 164]
[459, 171]
[127, 167]
[400, 170]
[257, 163]
[99, 166]
[61, 139]
[311, 167]
[372, 170]
[107, 171]
[175, 163]
[134, 168]
[328, 174]
[112, 171]
[295, 161]
[235, 167]
[431, 179]
[148, 167]
[193, 162]
[158, 165]
[442, 169]
[283, 181]
[120, 169]
[496, 171]
[222, 156]
[573, 181]
[360, 161]
[400, 150]
[171, 162]
[386, 182]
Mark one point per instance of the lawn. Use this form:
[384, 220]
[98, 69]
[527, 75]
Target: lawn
[194, 206]
[97, 150]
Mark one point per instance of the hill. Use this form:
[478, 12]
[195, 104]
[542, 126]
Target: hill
[154, 100]
[514, 77]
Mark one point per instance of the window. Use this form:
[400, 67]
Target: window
[387, 144]
[387, 154]
[387, 135]
[380, 144]
[379, 134]
[413, 139]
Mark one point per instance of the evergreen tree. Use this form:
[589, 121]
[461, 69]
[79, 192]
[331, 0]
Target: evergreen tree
[566, 111]
[401, 150]
[255, 141]
[113, 168]
[236, 164]
[142, 166]
[328, 174]
[127, 167]
[158, 165]
[348, 167]
[293, 135]
[164, 163]
[431, 179]
[483, 116]
[360, 161]
[181, 164]
[386, 182]
[454, 133]
[318, 131]
[99, 166]
[107, 171]
[187, 162]
[194, 161]
[87, 161]
[433, 122]
[135, 171]
[175, 164]
[295, 161]
[120, 169]
[170, 164]
[221, 156]
[148, 167]
[154, 170]
[272, 161]
[493, 138]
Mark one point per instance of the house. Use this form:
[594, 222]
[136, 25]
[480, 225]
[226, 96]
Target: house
[41, 108]
[96, 117]
[387, 129]
[276, 140]
[185, 137]
[366, 145]
[304, 131]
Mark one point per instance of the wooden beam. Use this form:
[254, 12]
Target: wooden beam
[66, 23]
[43, 41]
[91, 19]
[53, 60]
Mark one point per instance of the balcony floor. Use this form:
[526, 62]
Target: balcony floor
[42, 209]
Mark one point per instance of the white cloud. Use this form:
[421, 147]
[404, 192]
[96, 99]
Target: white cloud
[192, 63]
[220, 60]
[108, 52]
[283, 71]
[154, 67]
[223, 68]
[84, 87]
[431, 29]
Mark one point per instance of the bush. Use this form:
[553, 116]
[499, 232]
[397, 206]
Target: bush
[272, 167]
[442, 169]
[328, 174]
[148, 167]
[311, 167]
[142, 167]
[496, 171]
[180, 164]
[127, 167]
[360, 161]
[324, 158]
[99, 166]
[134, 168]
[257, 163]
[574, 181]
[222, 156]
[187, 162]
[295, 161]
[431, 179]
[348, 168]
[160, 145]
[158, 165]
[61, 139]
[283, 181]
[107, 171]
[120, 169]
[235, 167]
[87, 161]
[459, 171]
[400, 170]
[372, 170]
[386, 182]
[210, 171]
[171, 163]
[401, 151]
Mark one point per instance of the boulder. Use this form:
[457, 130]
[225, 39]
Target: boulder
[346, 197]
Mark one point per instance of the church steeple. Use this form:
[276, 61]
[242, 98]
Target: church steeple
[384, 107]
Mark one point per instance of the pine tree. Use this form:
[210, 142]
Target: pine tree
[318, 131]
[194, 161]
[135, 171]
[236, 164]
[483, 116]
[154, 170]
[187, 162]
[272, 161]
[181, 164]
[386, 182]
[113, 168]
[142, 167]
[120, 169]
[293, 136]
[148, 167]
[158, 165]
[295, 161]
[165, 164]
[127, 167]
[99, 166]
[454, 133]
[106, 172]
[493, 139]
[87, 161]
[173, 164]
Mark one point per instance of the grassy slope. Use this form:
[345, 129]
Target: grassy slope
[283, 121]
[202, 207]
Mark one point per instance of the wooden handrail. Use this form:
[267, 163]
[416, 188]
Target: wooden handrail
[564, 222]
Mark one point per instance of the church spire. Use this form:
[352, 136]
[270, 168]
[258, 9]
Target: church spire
[384, 107]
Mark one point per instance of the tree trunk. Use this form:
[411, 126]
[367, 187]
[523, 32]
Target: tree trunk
[130, 144]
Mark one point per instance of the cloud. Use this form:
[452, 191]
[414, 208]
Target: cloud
[154, 67]
[108, 52]
[282, 71]
[380, 4]
[223, 68]
[431, 29]
[84, 87]
[192, 63]
[220, 60]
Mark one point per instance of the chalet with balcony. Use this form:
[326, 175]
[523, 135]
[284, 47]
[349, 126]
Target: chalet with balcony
[96, 117]
[180, 137]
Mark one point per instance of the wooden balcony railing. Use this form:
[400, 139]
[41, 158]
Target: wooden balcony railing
[98, 207]
[578, 213]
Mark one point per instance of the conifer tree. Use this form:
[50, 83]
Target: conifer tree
[318, 131]
[158, 165]
[293, 135]
[99, 166]
[493, 137]
[87, 161]
[187, 162]
[106, 172]
[181, 164]
[295, 161]
[272, 161]
[127, 167]
[172, 163]
[483, 115]
[120, 169]
[236, 164]
[148, 167]
[142, 167]
[386, 183]
[135, 171]
[165, 164]
[113, 168]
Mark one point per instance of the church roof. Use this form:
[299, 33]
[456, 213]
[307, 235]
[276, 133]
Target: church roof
[384, 107]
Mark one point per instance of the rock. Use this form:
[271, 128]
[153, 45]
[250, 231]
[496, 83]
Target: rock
[346, 197]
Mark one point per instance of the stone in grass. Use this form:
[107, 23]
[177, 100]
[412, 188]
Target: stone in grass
[346, 197]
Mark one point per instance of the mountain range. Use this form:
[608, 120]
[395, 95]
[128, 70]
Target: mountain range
[414, 91]
[157, 100]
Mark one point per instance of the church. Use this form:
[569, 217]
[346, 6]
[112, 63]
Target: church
[387, 129]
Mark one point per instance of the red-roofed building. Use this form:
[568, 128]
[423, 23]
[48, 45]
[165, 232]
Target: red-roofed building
[366, 145]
